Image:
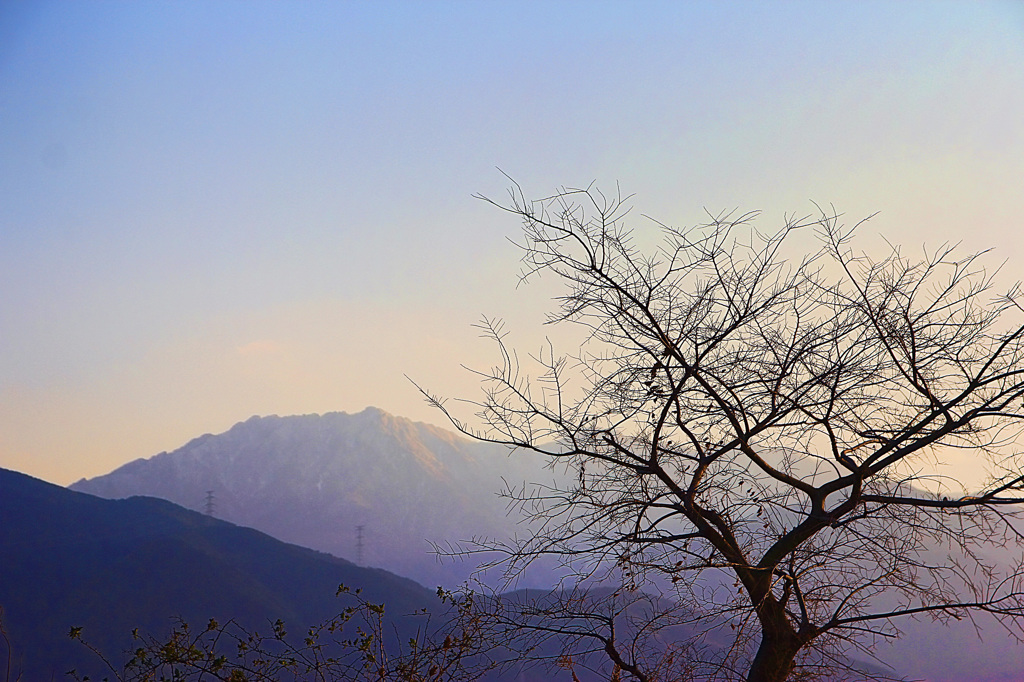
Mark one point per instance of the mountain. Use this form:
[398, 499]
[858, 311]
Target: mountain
[71, 559]
[371, 487]
[313, 480]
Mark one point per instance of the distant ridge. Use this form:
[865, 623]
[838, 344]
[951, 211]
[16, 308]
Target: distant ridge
[314, 479]
[71, 559]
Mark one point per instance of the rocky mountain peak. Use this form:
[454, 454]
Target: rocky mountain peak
[370, 487]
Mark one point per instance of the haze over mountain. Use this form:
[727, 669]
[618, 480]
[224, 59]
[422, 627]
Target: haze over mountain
[315, 479]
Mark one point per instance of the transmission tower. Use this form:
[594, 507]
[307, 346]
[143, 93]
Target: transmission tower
[209, 503]
[359, 544]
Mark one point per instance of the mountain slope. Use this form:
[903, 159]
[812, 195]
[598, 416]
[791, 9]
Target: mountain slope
[71, 559]
[315, 479]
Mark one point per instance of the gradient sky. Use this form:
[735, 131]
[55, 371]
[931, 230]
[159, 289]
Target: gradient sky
[219, 209]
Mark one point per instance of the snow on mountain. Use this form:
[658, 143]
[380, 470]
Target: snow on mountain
[314, 480]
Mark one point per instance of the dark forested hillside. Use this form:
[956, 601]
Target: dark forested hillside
[71, 559]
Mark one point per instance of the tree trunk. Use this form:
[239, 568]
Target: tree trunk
[776, 656]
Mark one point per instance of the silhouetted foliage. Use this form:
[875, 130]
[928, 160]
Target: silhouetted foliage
[354, 645]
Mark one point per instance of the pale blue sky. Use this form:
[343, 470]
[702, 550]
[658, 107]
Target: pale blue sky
[213, 210]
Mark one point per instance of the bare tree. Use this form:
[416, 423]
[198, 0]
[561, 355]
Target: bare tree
[756, 438]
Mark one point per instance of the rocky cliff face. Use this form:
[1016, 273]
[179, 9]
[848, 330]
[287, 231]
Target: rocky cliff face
[314, 479]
